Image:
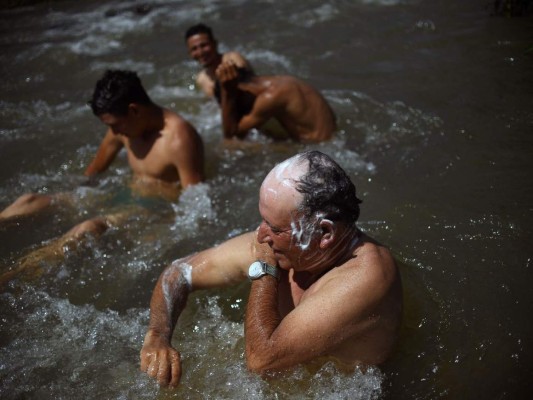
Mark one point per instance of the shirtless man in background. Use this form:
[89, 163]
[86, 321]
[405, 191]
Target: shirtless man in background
[203, 48]
[320, 287]
[163, 149]
[251, 101]
[279, 106]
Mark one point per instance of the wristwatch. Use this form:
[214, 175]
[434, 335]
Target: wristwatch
[259, 269]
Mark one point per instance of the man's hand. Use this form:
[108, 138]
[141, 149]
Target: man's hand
[227, 75]
[159, 360]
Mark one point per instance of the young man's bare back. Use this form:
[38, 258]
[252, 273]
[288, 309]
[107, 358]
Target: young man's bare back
[250, 102]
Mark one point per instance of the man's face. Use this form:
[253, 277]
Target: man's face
[293, 244]
[121, 124]
[202, 49]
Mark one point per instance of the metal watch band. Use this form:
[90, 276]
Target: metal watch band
[271, 270]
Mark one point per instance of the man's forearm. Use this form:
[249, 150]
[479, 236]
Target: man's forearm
[168, 300]
[97, 165]
[230, 115]
[105, 155]
[262, 318]
[158, 358]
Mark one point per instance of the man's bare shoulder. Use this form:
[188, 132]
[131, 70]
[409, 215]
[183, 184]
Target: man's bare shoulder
[370, 271]
[205, 82]
[178, 133]
[176, 125]
[202, 76]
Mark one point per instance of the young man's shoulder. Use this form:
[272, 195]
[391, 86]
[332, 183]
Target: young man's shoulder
[205, 82]
[176, 124]
[178, 131]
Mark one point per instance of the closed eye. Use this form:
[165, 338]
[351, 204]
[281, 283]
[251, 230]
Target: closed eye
[277, 231]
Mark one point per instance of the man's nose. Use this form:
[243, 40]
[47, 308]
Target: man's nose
[263, 233]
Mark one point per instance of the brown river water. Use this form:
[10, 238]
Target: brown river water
[435, 111]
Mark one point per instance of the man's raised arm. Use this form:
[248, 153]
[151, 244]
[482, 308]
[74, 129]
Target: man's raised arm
[220, 266]
[228, 77]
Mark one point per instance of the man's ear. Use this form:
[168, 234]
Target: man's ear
[133, 109]
[327, 232]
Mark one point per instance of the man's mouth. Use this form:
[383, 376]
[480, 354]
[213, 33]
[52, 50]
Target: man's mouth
[277, 253]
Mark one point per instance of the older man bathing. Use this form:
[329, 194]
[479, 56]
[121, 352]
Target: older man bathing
[320, 286]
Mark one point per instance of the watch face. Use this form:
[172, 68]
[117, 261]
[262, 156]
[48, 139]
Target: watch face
[256, 270]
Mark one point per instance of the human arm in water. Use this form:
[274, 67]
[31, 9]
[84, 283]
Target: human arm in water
[205, 80]
[348, 314]
[31, 203]
[108, 150]
[235, 122]
[220, 266]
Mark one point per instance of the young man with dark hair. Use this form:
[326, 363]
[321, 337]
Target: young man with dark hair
[161, 145]
[163, 150]
[320, 287]
[116, 91]
[203, 47]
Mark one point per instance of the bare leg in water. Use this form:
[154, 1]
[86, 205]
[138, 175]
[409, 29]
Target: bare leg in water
[32, 203]
[26, 204]
[29, 265]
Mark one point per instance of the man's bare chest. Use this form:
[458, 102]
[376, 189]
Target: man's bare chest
[152, 160]
[290, 294]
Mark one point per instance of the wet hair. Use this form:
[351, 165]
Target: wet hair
[197, 30]
[116, 91]
[326, 189]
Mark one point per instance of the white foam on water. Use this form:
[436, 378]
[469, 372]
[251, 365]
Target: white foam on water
[207, 120]
[311, 17]
[78, 351]
[392, 123]
[33, 53]
[99, 31]
[212, 349]
[169, 93]
[35, 112]
[194, 206]
[269, 57]
[94, 46]
[193, 11]
[68, 351]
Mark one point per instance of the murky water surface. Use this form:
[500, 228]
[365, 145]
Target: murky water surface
[435, 113]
